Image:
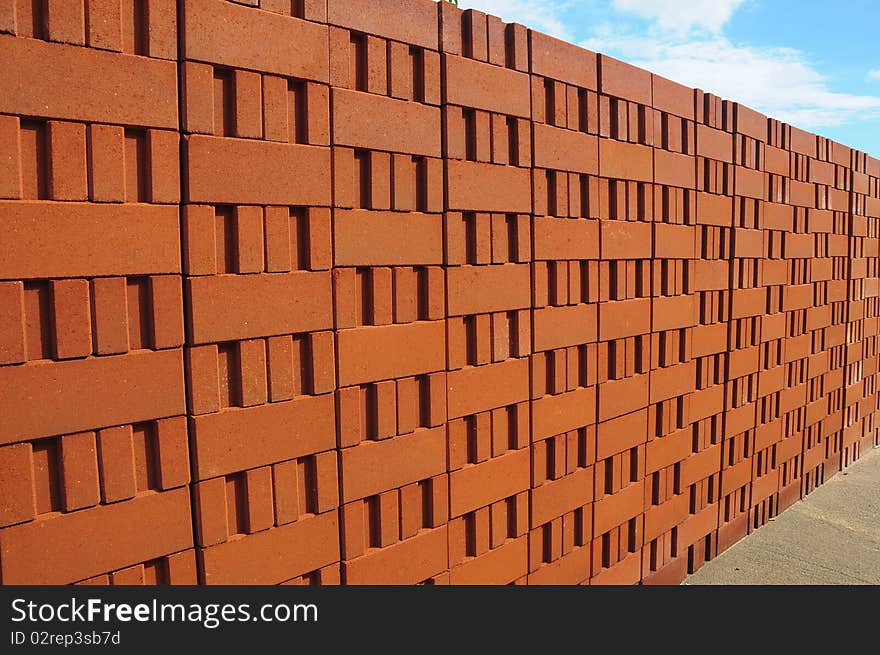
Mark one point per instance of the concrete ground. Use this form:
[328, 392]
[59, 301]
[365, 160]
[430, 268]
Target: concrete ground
[830, 537]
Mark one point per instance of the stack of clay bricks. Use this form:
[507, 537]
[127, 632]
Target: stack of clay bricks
[565, 302]
[810, 224]
[756, 343]
[867, 205]
[681, 456]
[487, 147]
[257, 253]
[860, 420]
[346, 292]
[783, 254]
[870, 204]
[389, 292]
[94, 452]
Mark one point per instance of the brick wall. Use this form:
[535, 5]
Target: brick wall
[325, 292]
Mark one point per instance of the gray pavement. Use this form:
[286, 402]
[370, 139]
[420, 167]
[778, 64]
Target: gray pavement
[830, 537]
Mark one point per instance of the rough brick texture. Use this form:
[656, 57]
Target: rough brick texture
[94, 451]
[411, 296]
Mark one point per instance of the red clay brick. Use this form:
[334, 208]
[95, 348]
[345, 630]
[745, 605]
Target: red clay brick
[16, 484]
[82, 544]
[117, 463]
[37, 71]
[272, 556]
[565, 150]
[385, 238]
[379, 353]
[563, 61]
[71, 316]
[375, 466]
[78, 240]
[482, 187]
[412, 22]
[279, 431]
[672, 97]
[300, 44]
[262, 181]
[90, 393]
[12, 323]
[301, 298]
[625, 161]
[411, 127]
[622, 80]
[473, 84]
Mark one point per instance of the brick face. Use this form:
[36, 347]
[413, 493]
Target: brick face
[414, 296]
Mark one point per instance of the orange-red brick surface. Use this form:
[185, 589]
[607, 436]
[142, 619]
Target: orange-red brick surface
[328, 292]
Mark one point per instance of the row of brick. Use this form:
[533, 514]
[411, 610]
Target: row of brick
[414, 295]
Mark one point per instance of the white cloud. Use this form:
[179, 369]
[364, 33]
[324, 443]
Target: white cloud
[542, 15]
[780, 82]
[874, 75]
[685, 42]
[682, 15]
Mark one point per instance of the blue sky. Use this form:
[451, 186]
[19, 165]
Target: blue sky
[813, 64]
